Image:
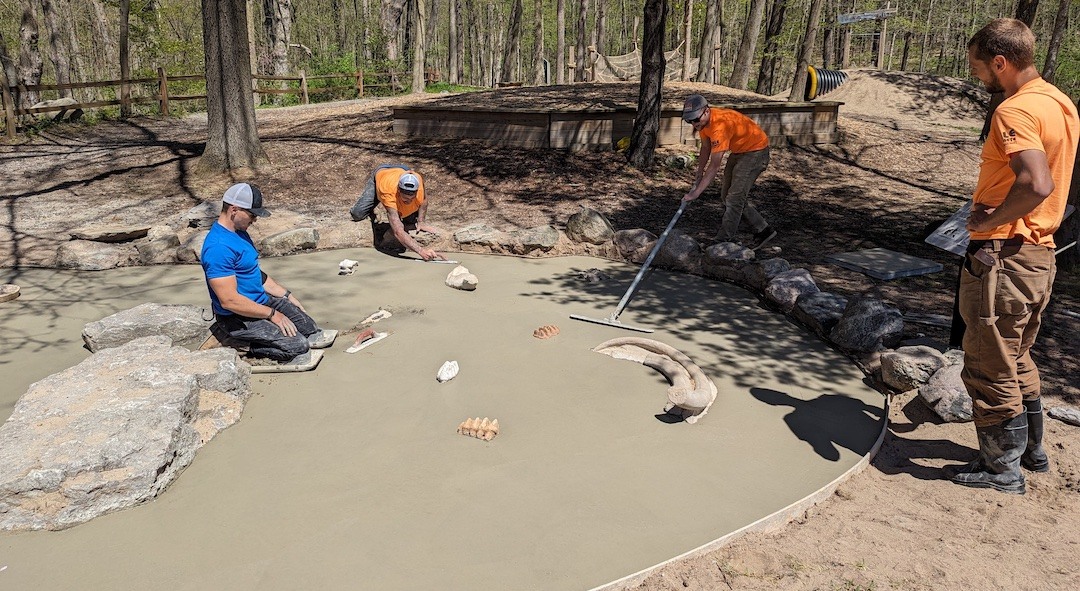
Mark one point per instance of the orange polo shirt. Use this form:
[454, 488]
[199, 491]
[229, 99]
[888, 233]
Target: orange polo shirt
[386, 188]
[731, 130]
[1038, 117]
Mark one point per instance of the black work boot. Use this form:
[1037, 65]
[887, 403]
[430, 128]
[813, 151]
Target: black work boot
[998, 464]
[1034, 457]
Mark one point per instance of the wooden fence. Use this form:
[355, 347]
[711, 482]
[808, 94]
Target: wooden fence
[162, 96]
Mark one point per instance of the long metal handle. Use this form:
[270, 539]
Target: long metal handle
[648, 261]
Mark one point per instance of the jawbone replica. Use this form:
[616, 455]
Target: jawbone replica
[691, 392]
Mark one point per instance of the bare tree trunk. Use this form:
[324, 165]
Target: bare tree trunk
[253, 55]
[538, 42]
[232, 138]
[644, 138]
[709, 36]
[845, 48]
[513, 41]
[1061, 22]
[740, 76]
[771, 54]
[280, 22]
[1025, 11]
[419, 46]
[30, 63]
[925, 37]
[390, 17]
[907, 47]
[601, 25]
[688, 23]
[798, 85]
[125, 59]
[560, 44]
[7, 65]
[453, 42]
[580, 50]
[102, 40]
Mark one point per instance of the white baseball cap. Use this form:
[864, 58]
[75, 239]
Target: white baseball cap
[409, 182]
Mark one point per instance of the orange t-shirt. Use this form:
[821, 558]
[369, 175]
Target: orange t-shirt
[386, 188]
[1038, 117]
[731, 130]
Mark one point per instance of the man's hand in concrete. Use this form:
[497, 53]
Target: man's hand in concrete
[282, 321]
[429, 254]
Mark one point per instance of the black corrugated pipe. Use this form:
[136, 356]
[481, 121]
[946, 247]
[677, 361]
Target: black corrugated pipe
[818, 82]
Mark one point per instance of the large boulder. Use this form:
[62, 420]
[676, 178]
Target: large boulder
[634, 245]
[87, 255]
[202, 215]
[479, 233]
[868, 325]
[290, 241]
[680, 252]
[727, 260]
[110, 233]
[786, 288]
[113, 431]
[946, 395]
[160, 246]
[184, 325]
[589, 225]
[819, 310]
[539, 238]
[760, 273]
[908, 368]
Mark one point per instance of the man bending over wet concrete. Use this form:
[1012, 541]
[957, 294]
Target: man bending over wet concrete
[400, 190]
[254, 310]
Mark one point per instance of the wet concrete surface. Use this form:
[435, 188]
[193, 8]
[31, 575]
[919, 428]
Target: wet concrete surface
[352, 476]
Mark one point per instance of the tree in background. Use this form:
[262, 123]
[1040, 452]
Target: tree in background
[538, 43]
[30, 63]
[802, 62]
[513, 42]
[771, 53]
[419, 46]
[1061, 22]
[740, 75]
[560, 44]
[232, 138]
[711, 36]
[643, 139]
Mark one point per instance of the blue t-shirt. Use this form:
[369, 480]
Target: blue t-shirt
[226, 253]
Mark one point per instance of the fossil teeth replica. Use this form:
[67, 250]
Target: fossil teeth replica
[546, 332]
[479, 428]
[447, 371]
[691, 392]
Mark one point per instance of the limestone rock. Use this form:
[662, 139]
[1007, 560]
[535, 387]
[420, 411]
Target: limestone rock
[481, 234]
[634, 245]
[946, 395]
[113, 431]
[289, 242]
[461, 278]
[159, 249]
[954, 356]
[908, 368]
[680, 252]
[202, 216]
[1065, 415]
[727, 260]
[195, 242]
[820, 311]
[110, 233]
[786, 288]
[184, 325]
[867, 325]
[589, 225]
[760, 273]
[85, 255]
[539, 238]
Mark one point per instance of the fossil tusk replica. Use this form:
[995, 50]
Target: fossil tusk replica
[691, 392]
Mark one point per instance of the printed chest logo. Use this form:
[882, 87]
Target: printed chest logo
[1008, 137]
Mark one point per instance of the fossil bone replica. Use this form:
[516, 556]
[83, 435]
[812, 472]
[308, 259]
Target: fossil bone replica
[347, 266]
[691, 392]
[546, 332]
[447, 371]
[481, 429]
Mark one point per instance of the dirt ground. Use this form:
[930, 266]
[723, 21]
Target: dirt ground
[908, 157]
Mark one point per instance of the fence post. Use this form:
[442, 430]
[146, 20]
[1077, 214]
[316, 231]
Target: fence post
[360, 84]
[163, 91]
[9, 111]
[303, 86]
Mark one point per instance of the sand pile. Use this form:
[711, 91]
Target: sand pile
[910, 95]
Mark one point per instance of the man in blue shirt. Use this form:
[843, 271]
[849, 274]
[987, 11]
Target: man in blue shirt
[255, 311]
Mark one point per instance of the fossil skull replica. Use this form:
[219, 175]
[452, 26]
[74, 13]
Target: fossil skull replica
[691, 392]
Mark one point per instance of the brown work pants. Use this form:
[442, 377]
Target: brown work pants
[1002, 304]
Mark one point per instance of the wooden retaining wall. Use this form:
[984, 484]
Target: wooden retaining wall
[599, 129]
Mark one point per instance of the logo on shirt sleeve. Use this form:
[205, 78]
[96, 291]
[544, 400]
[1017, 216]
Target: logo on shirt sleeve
[1008, 137]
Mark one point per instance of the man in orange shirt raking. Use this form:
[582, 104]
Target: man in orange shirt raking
[1019, 201]
[722, 131]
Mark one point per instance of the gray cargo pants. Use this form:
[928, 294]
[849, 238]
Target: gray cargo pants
[264, 338]
[740, 174]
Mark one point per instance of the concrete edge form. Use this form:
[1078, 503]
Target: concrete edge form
[766, 524]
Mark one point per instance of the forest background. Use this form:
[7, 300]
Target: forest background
[745, 44]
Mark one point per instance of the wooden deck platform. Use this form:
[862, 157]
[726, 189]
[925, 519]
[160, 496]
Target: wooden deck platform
[599, 128]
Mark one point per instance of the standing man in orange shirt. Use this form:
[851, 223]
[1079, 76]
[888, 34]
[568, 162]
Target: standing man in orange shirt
[1019, 201]
[722, 131]
[400, 190]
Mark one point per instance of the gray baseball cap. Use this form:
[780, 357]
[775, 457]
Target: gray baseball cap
[247, 197]
[694, 107]
[409, 182]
